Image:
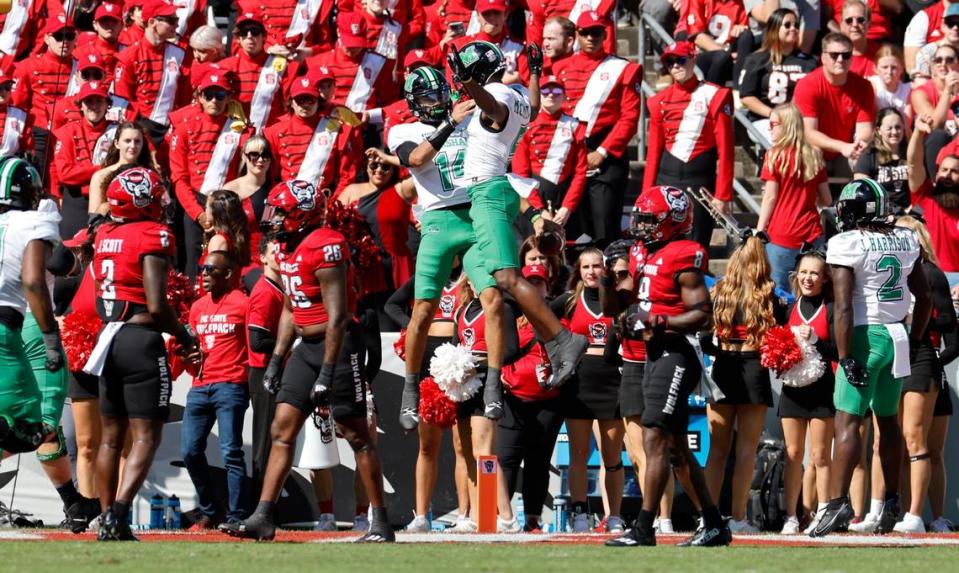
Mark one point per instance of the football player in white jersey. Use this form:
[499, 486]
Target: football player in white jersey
[503, 114]
[874, 269]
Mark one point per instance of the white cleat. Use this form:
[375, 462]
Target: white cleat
[910, 524]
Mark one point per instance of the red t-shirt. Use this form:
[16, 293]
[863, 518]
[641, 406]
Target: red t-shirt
[266, 305]
[221, 327]
[838, 108]
[795, 218]
[943, 226]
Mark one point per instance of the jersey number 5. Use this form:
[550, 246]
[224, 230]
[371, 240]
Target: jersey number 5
[890, 290]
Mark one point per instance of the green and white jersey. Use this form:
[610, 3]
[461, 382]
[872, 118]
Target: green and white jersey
[881, 263]
[490, 152]
[17, 229]
[440, 183]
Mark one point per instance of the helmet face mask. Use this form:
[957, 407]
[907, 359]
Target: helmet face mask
[661, 213]
[428, 95]
[20, 185]
[862, 202]
[485, 61]
[293, 209]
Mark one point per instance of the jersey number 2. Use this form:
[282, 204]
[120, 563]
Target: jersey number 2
[890, 290]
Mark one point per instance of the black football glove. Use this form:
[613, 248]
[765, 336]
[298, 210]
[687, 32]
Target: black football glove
[635, 321]
[457, 67]
[54, 351]
[273, 374]
[534, 58]
[855, 373]
[320, 395]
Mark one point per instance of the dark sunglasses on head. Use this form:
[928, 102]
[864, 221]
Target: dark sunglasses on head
[255, 156]
[847, 56]
[65, 35]
[385, 167]
[254, 32]
[91, 74]
[855, 20]
[676, 61]
[214, 94]
[951, 22]
[591, 32]
[551, 90]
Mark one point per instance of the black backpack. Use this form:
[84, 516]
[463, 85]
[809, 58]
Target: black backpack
[767, 508]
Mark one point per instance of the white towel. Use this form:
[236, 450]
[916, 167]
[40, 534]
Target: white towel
[98, 358]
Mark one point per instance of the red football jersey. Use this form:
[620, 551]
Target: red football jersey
[117, 262]
[266, 305]
[221, 327]
[656, 274]
[322, 249]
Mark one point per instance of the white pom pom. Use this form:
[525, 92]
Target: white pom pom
[808, 370]
[453, 368]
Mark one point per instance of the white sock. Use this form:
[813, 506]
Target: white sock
[875, 506]
[821, 507]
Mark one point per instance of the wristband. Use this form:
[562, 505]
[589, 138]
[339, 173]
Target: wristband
[532, 214]
[439, 136]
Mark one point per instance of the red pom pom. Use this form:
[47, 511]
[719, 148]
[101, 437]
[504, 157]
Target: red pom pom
[780, 351]
[79, 333]
[180, 293]
[399, 347]
[364, 253]
[435, 406]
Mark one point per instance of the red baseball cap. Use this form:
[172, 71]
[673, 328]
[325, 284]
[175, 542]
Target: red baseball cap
[6, 70]
[537, 271]
[158, 9]
[214, 78]
[552, 81]
[88, 89]
[304, 86]
[491, 6]
[57, 23]
[253, 17]
[590, 19]
[321, 73]
[77, 240]
[352, 30]
[681, 49]
[107, 10]
[416, 58]
[90, 60]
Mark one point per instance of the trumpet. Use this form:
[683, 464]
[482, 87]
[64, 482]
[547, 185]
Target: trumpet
[727, 222]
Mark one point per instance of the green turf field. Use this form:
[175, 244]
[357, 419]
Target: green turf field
[71, 557]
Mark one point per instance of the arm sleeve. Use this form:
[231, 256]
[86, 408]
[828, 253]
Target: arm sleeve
[396, 305]
[625, 128]
[20, 97]
[179, 159]
[916, 31]
[61, 261]
[370, 326]
[124, 82]
[804, 99]
[725, 148]
[943, 313]
[750, 79]
[827, 348]
[511, 349]
[865, 164]
[260, 340]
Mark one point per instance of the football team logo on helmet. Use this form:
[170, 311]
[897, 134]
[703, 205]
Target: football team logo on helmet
[305, 194]
[678, 203]
[137, 184]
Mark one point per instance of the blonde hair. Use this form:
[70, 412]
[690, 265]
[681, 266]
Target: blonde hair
[922, 234]
[791, 146]
[747, 287]
[576, 284]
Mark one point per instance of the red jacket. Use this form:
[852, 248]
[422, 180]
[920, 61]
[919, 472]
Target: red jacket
[138, 76]
[247, 69]
[534, 149]
[191, 148]
[714, 17]
[130, 35]
[439, 14]
[344, 69]
[73, 154]
[618, 116]
[289, 139]
[40, 81]
[90, 43]
[278, 14]
[687, 120]
[31, 33]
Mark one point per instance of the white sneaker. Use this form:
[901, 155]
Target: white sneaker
[463, 525]
[508, 526]
[663, 526]
[867, 525]
[615, 524]
[791, 527]
[742, 526]
[941, 525]
[327, 522]
[910, 524]
[419, 525]
[815, 522]
[361, 523]
[580, 523]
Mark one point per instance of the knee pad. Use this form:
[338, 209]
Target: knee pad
[17, 436]
[617, 468]
[676, 460]
[56, 435]
[919, 457]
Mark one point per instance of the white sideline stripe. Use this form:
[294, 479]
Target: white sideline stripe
[454, 538]
[859, 540]
[20, 536]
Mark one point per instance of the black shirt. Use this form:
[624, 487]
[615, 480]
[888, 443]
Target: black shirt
[772, 83]
[893, 175]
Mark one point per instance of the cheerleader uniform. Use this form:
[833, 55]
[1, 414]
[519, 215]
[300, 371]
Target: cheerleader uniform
[815, 400]
[471, 333]
[593, 394]
[446, 309]
[738, 373]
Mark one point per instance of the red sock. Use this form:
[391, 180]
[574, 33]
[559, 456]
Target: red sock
[326, 506]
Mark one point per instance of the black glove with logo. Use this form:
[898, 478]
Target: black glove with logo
[855, 373]
[273, 374]
[534, 58]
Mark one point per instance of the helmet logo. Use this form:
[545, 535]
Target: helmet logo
[678, 203]
[304, 193]
[137, 184]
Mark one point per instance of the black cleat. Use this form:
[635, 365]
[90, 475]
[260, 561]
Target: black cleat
[113, 530]
[634, 537]
[80, 514]
[888, 516]
[409, 407]
[834, 520]
[258, 526]
[378, 535]
[564, 352]
[709, 537]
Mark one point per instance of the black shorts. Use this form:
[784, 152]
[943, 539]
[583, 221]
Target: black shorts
[475, 406]
[808, 402]
[83, 386]
[593, 394]
[349, 377]
[742, 379]
[672, 372]
[136, 378]
[943, 405]
[631, 389]
[926, 371]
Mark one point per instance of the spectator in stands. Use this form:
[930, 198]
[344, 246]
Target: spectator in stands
[885, 160]
[922, 69]
[809, 409]
[924, 28]
[745, 308]
[559, 36]
[105, 40]
[701, 156]
[610, 111]
[542, 13]
[229, 231]
[888, 84]
[219, 393]
[770, 75]
[294, 32]
[207, 44]
[129, 147]
[134, 25]
[854, 24]
[809, 18]
[21, 26]
[838, 107]
[386, 27]
[553, 152]
[938, 197]
[795, 186]
[254, 183]
[714, 26]
[16, 133]
[592, 395]
[88, 69]
[935, 98]
[880, 14]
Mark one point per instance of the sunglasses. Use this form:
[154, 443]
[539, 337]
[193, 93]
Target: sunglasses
[790, 25]
[677, 61]
[169, 20]
[621, 275]
[951, 22]
[305, 101]
[944, 60]
[384, 167]
[551, 91]
[855, 20]
[208, 269]
[64, 36]
[591, 32]
[6, 86]
[255, 156]
[214, 95]
[836, 56]
[250, 32]
[92, 74]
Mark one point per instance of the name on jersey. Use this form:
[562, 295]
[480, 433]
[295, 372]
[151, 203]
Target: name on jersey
[289, 267]
[110, 246]
[215, 324]
[789, 68]
[651, 270]
[875, 242]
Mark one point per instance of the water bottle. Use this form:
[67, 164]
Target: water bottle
[156, 511]
[520, 511]
[173, 513]
[559, 515]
